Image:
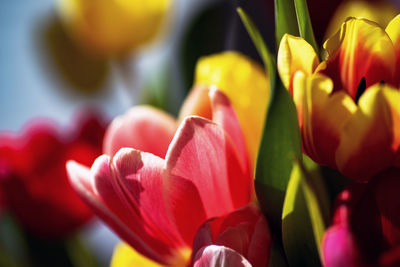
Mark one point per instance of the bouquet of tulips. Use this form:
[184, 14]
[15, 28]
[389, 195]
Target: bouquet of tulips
[295, 162]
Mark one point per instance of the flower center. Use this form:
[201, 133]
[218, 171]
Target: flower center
[361, 89]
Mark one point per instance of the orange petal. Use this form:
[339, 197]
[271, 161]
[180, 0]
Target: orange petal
[295, 54]
[196, 103]
[371, 137]
[393, 30]
[321, 115]
[361, 49]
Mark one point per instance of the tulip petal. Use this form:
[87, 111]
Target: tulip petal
[245, 84]
[219, 256]
[140, 177]
[295, 54]
[390, 258]
[393, 30]
[204, 175]
[321, 115]
[132, 190]
[360, 49]
[224, 115]
[143, 128]
[81, 180]
[388, 202]
[371, 137]
[196, 103]
[245, 230]
[339, 248]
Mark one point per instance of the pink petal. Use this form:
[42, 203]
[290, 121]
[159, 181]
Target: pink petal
[224, 115]
[204, 170]
[219, 256]
[143, 128]
[339, 248]
[130, 186]
[82, 180]
[140, 177]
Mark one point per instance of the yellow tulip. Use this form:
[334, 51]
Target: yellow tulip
[348, 104]
[113, 27]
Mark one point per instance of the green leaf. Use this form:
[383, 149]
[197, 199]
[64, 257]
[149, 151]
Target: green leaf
[277, 255]
[260, 45]
[79, 254]
[304, 22]
[305, 215]
[280, 144]
[285, 19]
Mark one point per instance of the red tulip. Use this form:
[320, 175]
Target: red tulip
[157, 204]
[33, 181]
[244, 231]
[366, 228]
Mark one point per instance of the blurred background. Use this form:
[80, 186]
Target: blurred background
[47, 74]
[48, 69]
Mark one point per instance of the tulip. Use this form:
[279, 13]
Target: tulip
[156, 204]
[240, 238]
[246, 85]
[244, 231]
[113, 28]
[34, 186]
[348, 104]
[366, 226]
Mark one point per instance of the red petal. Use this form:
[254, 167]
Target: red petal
[388, 201]
[390, 258]
[245, 231]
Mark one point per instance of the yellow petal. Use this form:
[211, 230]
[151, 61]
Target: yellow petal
[371, 137]
[393, 30]
[321, 115]
[380, 12]
[112, 28]
[295, 54]
[125, 256]
[360, 49]
[246, 85]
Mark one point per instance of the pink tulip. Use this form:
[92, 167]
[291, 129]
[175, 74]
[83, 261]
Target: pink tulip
[156, 203]
[366, 227]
